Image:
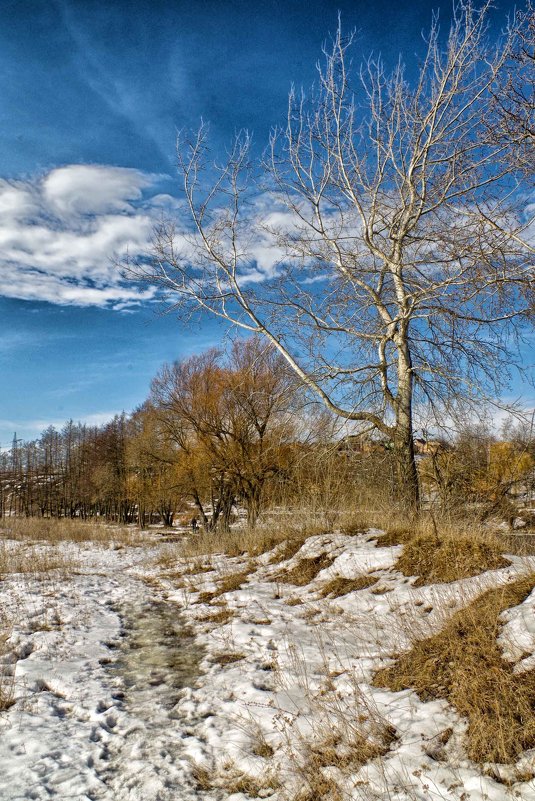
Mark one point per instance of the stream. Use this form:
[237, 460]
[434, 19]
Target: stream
[157, 655]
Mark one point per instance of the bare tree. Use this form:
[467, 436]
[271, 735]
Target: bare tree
[515, 98]
[238, 413]
[386, 254]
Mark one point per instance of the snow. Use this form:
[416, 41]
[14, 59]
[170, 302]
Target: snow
[125, 690]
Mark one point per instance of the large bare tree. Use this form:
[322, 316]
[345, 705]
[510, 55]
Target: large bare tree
[382, 246]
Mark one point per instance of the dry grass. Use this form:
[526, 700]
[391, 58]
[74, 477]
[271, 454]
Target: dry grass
[355, 525]
[30, 559]
[396, 535]
[441, 558]
[261, 747]
[464, 665]
[197, 567]
[54, 530]
[240, 541]
[288, 529]
[339, 586]
[288, 549]
[6, 681]
[305, 570]
[230, 583]
[227, 658]
[232, 781]
[346, 750]
[444, 553]
[222, 616]
[382, 589]
[167, 557]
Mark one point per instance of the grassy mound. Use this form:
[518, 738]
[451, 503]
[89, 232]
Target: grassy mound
[441, 558]
[463, 664]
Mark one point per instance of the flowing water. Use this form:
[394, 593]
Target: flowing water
[157, 655]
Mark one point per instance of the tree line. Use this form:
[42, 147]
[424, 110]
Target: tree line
[229, 431]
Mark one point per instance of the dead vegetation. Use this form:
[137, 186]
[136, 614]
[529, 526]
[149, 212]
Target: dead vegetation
[227, 658]
[32, 559]
[354, 525]
[396, 535]
[445, 553]
[6, 680]
[54, 530]
[288, 549]
[305, 570]
[441, 558]
[339, 586]
[222, 616]
[266, 536]
[232, 781]
[343, 748]
[294, 601]
[229, 583]
[464, 665]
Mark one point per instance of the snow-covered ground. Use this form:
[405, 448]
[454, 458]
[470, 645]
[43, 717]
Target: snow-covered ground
[125, 689]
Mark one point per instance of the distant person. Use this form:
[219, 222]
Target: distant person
[194, 525]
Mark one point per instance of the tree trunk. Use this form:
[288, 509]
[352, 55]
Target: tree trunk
[252, 504]
[407, 488]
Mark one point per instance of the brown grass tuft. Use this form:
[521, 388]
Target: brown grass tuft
[344, 750]
[441, 558]
[227, 658]
[396, 535]
[464, 665]
[232, 781]
[305, 570]
[6, 681]
[288, 549]
[197, 567]
[230, 583]
[354, 526]
[339, 586]
[223, 616]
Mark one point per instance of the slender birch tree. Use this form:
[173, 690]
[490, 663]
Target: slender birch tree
[382, 246]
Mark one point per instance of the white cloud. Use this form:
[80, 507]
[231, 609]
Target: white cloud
[62, 234]
[80, 189]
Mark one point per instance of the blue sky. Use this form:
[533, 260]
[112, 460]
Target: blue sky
[93, 93]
